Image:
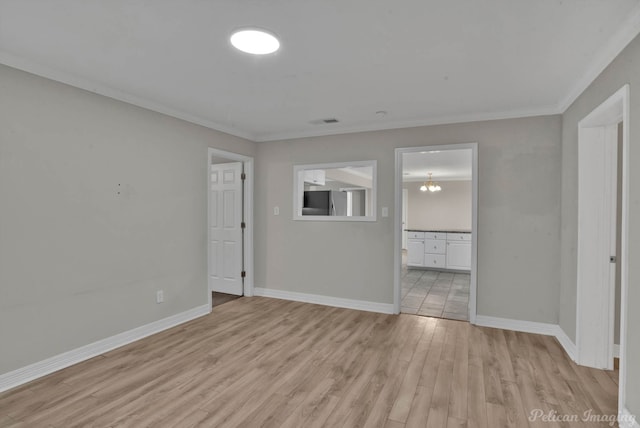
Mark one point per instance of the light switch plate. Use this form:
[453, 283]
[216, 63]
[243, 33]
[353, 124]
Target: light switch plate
[385, 211]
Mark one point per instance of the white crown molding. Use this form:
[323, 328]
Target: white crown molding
[615, 45]
[101, 89]
[324, 130]
[42, 368]
[625, 34]
[361, 305]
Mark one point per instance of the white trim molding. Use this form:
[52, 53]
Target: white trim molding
[626, 32]
[627, 420]
[546, 329]
[57, 362]
[70, 79]
[360, 305]
[568, 344]
[517, 325]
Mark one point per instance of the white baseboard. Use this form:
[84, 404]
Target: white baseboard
[385, 308]
[627, 420]
[530, 327]
[42, 368]
[517, 325]
[567, 343]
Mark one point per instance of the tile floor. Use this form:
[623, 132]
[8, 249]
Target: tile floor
[435, 294]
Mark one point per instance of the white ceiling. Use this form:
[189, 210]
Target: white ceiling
[445, 165]
[421, 61]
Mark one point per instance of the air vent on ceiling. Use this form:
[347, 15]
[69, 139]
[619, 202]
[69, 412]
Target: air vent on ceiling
[324, 121]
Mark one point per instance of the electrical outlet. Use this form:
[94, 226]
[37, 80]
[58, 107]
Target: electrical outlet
[276, 210]
[159, 296]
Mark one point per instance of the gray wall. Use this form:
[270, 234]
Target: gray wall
[448, 209]
[78, 262]
[519, 217]
[624, 69]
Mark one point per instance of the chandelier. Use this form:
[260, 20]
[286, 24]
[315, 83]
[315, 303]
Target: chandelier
[430, 185]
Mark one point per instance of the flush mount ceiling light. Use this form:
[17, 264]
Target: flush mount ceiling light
[430, 185]
[254, 41]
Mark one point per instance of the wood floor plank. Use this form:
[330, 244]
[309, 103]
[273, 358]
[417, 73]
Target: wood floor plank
[491, 368]
[419, 412]
[439, 408]
[458, 398]
[266, 362]
[402, 405]
[393, 424]
[456, 423]
[476, 400]
[496, 415]
[394, 371]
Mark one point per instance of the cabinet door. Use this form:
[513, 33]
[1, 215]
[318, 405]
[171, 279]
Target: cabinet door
[459, 255]
[435, 260]
[415, 252]
[435, 246]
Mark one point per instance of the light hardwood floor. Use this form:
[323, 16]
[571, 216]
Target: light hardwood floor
[265, 362]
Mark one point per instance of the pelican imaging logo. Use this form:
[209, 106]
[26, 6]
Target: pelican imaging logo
[588, 416]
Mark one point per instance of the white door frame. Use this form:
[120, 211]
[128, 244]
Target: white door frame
[248, 216]
[405, 216]
[612, 111]
[397, 240]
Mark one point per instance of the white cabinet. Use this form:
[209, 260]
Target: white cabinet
[415, 252]
[459, 251]
[315, 176]
[435, 249]
[435, 246]
[439, 250]
[415, 248]
[435, 261]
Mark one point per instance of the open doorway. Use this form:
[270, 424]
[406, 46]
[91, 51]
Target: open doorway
[436, 194]
[229, 226]
[602, 268]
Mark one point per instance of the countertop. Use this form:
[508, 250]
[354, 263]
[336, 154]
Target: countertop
[439, 230]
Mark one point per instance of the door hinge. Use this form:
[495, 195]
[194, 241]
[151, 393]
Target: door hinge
[243, 274]
[243, 176]
[243, 225]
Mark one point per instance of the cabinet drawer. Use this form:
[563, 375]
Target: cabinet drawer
[434, 260]
[435, 246]
[435, 235]
[415, 235]
[458, 237]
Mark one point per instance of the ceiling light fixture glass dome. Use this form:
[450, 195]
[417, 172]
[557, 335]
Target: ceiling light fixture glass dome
[255, 41]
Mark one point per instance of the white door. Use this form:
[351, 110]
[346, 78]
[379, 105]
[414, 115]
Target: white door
[225, 232]
[597, 160]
